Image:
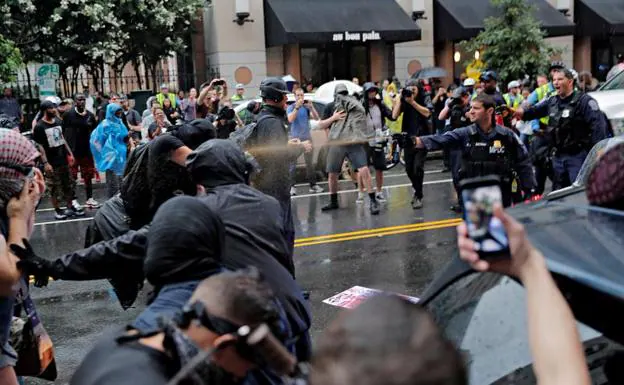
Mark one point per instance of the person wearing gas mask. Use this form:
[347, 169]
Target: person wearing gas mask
[225, 122]
[411, 102]
[221, 308]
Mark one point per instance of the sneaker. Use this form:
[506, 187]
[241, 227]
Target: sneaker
[360, 198]
[380, 196]
[76, 206]
[330, 206]
[293, 191]
[92, 203]
[71, 212]
[59, 214]
[374, 207]
[417, 204]
[316, 189]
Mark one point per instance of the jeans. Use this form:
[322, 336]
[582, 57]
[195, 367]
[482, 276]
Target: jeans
[310, 171]
[112, 183]
[415, 168]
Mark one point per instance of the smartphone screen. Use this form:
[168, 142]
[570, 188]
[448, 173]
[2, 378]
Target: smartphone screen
[485, 229]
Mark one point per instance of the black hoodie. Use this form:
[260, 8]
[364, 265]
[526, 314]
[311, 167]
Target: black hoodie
[254, 234]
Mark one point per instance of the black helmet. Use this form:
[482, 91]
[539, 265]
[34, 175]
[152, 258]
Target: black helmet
[369, 86]
[488, 75]
[273, 89]
[556, 65]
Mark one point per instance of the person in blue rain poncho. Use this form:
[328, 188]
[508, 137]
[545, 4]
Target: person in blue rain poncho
[108, 145]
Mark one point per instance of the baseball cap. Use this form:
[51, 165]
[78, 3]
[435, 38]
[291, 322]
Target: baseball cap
[164, 85]
[240, 86]
[47, 105]
[513, 84]
[488, 75]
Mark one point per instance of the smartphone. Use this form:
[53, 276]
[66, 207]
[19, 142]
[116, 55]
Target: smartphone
[479, 195]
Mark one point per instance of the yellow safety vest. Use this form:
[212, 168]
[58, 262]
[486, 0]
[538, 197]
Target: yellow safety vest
[544, 92]
[171, 96]
[516, 102]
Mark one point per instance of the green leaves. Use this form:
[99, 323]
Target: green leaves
[10, 60]
[513, 43]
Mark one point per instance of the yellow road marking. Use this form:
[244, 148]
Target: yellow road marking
[380, 234]
[453, 221]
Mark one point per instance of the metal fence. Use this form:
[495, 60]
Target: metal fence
[66, 86]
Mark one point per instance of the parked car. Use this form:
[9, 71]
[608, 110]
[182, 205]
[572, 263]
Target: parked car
[484, 314]
[319, 137]
[610, 98]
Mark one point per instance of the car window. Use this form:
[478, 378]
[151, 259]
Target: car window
[616, 83]
[484, 315]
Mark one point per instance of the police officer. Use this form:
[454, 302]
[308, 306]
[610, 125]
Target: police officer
[487, 149]
[275, 152]
[575, 124]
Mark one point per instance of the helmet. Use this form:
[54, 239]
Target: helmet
[53, 99]
[488, 75]
[556, 65]
[470, 82]
[273, 89]
[575, 74]
[369, 86]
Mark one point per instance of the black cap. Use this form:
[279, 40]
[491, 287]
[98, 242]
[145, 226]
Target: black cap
[47, 105]
[488, 75]
[459, 92]
[369, 86]
[273, 88]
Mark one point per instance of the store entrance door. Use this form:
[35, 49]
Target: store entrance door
[327, 62]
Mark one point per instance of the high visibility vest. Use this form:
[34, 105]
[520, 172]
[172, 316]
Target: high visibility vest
[513, 101]
[171, 96]
[543, 92]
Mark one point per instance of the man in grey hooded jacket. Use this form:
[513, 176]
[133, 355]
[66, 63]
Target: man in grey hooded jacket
[347, 138]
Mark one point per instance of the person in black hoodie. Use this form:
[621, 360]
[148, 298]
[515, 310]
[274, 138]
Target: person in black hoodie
[117, 239]
[254, 233]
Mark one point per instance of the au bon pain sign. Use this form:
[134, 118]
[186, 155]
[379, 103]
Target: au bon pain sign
[356, 36]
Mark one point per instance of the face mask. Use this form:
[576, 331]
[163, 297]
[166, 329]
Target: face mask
[185, 350]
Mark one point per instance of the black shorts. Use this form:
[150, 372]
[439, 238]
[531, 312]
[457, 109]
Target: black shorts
[376, 157]
[336, 155]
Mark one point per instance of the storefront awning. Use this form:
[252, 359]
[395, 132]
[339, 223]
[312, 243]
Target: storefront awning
[336, 21]
[462, 20]
[599, 17]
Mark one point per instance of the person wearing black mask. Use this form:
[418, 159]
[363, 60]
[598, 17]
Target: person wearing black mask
[226, 123]
[116, 240]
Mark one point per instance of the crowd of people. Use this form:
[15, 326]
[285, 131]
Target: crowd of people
[207, 222]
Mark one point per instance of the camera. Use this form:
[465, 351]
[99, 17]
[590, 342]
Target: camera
[406, 93]
[219, 82]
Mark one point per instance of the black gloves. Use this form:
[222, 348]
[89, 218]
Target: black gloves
[31, 264]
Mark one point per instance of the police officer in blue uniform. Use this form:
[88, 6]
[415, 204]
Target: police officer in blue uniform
[575, 124]
[487, 149]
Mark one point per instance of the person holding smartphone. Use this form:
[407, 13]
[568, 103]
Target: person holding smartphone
[487, 149]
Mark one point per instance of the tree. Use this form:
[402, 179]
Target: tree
[10, 60]
[513, 44]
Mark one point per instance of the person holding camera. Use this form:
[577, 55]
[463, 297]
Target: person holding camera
[299, 115]
[411, 103]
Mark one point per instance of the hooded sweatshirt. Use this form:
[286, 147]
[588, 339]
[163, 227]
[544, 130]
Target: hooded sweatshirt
[254, 234]
[108, 142]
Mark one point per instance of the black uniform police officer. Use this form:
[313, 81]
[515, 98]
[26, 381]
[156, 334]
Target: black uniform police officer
[575, 124]
[487, 149]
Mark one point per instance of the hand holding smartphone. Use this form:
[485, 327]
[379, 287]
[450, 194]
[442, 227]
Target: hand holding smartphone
[479, 195]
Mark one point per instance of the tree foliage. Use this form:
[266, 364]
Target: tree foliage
[513, 43]
[10, 60]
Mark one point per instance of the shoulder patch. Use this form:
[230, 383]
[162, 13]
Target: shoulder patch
[593, 104]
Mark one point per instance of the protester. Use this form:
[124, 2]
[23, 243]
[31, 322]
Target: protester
[171, 113]
[21, 188]
[78, 124]
[160, 124]
[132, 119]
[219, 306]
[149, 118]
[57, 161]
[254, 232]
[189, 106]
[109, 147]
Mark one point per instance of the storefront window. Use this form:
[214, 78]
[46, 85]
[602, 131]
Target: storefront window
[323, 63]
[466, 62]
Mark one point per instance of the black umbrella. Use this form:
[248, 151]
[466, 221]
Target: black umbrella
[429, 73]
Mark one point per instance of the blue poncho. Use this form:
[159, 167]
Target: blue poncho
[108, 142]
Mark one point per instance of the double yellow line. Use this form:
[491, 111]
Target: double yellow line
[379, 232]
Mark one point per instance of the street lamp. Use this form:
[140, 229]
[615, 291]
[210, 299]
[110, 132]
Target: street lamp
[242, 10]
[457, 57]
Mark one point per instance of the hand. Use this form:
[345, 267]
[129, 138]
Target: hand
[441, 91]
[294, 142]
[339, 115]
[523, 254]
[71, 160]
[307, 146]
[31, 264]
[23, 207]
[48, 168]
[518, 114]
[298, 103]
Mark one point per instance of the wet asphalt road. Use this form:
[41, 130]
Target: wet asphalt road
[334, 252]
